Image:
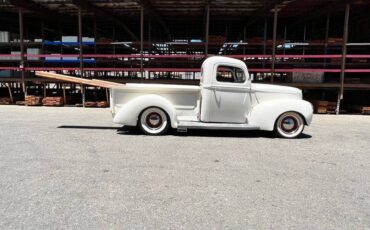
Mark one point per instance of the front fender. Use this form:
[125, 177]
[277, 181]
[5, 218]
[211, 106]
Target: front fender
[265, 114]
[129, 112]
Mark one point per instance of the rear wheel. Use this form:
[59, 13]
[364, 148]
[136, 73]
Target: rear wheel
[289, 125]
[154, 121]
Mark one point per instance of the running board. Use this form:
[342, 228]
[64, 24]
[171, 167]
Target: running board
[184, 125]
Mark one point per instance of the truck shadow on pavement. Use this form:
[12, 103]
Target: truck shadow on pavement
[211, 133]
[191, 133]
[87, 127]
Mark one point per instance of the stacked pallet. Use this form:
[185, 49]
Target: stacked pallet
[324, 106]
[5, 101]
[332, 107]
[102, 104]
[32, 100]
[359, 109]
[365, 110]
[90, 104]
[53, 101]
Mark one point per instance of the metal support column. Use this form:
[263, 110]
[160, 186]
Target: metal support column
[284, 39]
[149, 43]
[274, 44]
[264, 41]
[95, 35]
[142, 43]
[344, 53]
[21, 44]
[326, 37]
[207, 31]
[81, 54]
[304, 39]
[244, 38]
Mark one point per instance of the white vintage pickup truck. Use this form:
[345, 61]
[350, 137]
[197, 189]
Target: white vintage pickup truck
[225, 99]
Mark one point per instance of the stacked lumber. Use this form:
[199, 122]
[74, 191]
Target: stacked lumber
[102, 104]
[319, 106]
[90, 104]
[359, 109]
[332, 107]
[53, 101]
[365, 110]
[5, 101]
[32, 100]
[324, 106]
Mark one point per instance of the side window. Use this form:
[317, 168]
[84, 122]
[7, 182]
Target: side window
[230, 74]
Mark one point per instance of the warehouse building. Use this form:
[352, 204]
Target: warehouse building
[320, 46]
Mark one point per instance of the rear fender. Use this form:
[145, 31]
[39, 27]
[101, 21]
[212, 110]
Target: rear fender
[129, 112]
[265, 114]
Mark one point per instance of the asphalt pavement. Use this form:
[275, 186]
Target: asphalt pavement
[72, 168]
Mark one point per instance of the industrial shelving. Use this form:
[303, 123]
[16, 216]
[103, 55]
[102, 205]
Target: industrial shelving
[345, 64]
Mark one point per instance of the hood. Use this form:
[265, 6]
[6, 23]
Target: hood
[268, 91]
[275, 88]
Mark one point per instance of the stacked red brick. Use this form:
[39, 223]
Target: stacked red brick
[53, 101]
[32, 100]
[96, 104]
[324, 106]
[90, 104]
[102, 104]
[5, 101]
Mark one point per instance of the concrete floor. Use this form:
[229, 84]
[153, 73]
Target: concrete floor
[70, 168]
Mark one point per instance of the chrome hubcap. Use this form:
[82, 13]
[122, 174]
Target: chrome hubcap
[289, 124]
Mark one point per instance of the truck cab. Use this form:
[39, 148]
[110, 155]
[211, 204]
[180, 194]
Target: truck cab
[225, 91]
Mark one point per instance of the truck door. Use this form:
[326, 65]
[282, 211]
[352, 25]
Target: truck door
[229, 96]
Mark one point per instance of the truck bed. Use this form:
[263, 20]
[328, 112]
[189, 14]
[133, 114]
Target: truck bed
[184, 97]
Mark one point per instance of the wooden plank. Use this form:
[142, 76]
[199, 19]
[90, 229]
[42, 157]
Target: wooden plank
[110, 82]
[97, 83]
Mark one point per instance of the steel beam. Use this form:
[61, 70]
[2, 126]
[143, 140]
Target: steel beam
[153, 14]
[327, 27]
[317, 13]
[262, 12]
[207, 30]
[81, 54]
[142, 42]
[344, 53]
[304, 39]
[42, 12]
[21, 44]
[104, 14]
[264, 41]
[274, 44]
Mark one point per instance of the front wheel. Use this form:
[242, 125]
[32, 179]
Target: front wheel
[154, 121]
[289, 125]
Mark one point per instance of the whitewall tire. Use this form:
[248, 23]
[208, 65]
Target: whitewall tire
[154, 121]
[289, 125]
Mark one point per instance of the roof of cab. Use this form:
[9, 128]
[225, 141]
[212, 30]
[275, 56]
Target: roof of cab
[216, 59]
[207, 66]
